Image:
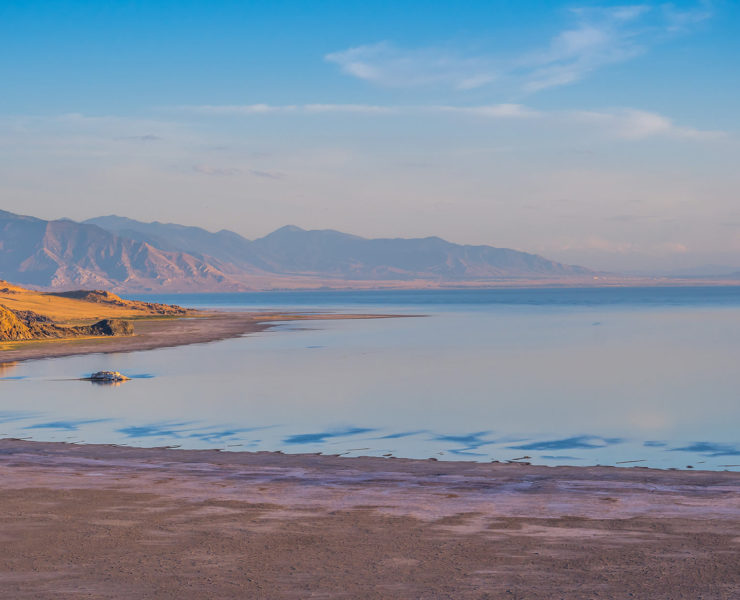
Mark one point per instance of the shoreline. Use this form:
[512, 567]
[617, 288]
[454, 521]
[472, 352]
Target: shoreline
[116, 521]
[154, 333]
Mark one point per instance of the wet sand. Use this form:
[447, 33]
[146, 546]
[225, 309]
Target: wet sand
[118, 522]
[163, 333]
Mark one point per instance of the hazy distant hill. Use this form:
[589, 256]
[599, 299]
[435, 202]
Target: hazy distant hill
[123, 254]
[292, 250]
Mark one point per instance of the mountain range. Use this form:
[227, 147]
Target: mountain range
[123, 254]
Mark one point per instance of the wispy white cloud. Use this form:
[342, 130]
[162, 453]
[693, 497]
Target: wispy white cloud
[266, 109]
[600, 244]
[683, 19]
[497, 111]
[205, 169]
[348, 108]
[598, 37]
[502, 111]
[238, 109]
[631, 124]
[147, 137]
[386, 64]
[216, 171]
[620, 123]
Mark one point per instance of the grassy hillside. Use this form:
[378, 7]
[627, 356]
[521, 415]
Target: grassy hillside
[80, 308]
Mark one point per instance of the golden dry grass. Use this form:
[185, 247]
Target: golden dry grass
[67, 311]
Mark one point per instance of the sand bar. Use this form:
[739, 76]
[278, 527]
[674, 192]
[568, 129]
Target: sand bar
[118, 522]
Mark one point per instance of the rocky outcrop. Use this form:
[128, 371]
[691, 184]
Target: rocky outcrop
[112, 327]
[99, 296]
[27, 325]
[11, 327]
[108, 377]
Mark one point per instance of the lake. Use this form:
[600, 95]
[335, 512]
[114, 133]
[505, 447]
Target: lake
[622, 376]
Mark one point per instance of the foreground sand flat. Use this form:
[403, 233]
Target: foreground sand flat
[117, 522]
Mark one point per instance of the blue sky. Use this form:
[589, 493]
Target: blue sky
[598, 133]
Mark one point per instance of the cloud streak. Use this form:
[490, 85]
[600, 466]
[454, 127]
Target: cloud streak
[596, 38]
[386, 64]
[632, 124]
[267, 109]
[619, 123]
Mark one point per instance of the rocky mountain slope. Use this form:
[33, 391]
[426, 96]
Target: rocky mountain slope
[64, 254]
[127, 255]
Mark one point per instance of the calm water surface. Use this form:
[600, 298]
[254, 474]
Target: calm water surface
[644, 377]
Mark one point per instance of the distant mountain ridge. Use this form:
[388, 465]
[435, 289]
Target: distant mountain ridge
[292, 250]
[224, 245]
[123, 254]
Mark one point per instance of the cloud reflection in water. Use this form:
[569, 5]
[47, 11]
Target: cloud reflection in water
[67, 425]
[583, 442]
[710, 449]
[318, 438]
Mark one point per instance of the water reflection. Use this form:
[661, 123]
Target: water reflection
[9, 416]
[67, 425]
[175, 430]
[583, 442]
[186, 430]
[5, 368]
[470, 442]
[318, 438]
[560, 457]
[710, 449]
[401, 434]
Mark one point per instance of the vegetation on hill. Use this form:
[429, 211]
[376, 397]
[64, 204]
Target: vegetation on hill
[30, 315]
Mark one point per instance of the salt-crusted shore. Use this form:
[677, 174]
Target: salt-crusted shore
[119, 522]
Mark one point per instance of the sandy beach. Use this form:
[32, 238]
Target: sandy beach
[118, 522]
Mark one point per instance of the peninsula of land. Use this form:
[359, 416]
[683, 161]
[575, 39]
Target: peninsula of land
[36, 325]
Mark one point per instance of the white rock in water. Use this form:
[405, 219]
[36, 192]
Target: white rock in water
[108, 376]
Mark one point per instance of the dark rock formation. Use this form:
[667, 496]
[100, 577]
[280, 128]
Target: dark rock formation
[112, 327]
[108, 377]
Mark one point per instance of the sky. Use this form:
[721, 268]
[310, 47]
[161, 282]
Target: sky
[595, 133]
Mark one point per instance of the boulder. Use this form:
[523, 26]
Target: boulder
[108, 376]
